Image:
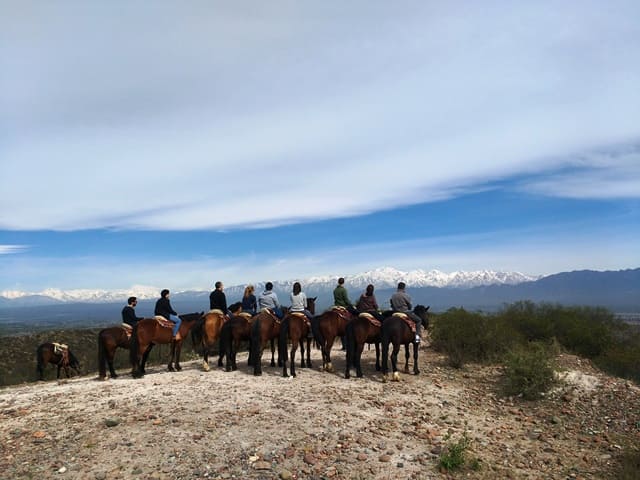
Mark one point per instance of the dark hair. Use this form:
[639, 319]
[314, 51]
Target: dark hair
[369, 291]
[297, 288]
[235, 307]
[218, 284]
[268, 286]
[164, 293]
[340, 280]
[130, 300]
[401, 286]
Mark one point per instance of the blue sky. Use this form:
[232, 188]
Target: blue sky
[174, 145]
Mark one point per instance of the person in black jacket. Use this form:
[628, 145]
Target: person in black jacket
[163, 308]
[218, 299]
[129, 314]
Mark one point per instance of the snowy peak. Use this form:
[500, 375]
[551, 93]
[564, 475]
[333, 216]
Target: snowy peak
[381, 278]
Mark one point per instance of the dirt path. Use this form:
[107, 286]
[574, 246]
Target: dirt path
[193, 424]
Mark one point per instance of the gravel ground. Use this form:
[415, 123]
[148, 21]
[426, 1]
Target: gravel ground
[195, 425]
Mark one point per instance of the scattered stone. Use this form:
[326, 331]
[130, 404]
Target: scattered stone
[111, 422]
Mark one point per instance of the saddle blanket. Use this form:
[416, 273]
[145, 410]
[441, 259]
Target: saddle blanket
[406, 319]
[372, 320]
[163, 321]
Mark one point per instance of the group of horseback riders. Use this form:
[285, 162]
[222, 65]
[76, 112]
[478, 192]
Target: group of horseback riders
[268, 299]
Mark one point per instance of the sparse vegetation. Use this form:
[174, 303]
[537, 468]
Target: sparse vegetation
[529, 370]
[453, 456]
[629, 466]
[591, 332]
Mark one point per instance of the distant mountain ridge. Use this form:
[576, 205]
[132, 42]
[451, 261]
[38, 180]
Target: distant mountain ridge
[382, 278]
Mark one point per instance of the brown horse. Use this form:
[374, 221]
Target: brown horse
[296, 327]
[57, 354]
[109, 339]
[326, 327]
[265, 328]
[236, 330]
[149, 332]
[206, 333]
[361, 330]
[396, 330]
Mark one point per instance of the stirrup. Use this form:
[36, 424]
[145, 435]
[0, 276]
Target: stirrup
[417, 340]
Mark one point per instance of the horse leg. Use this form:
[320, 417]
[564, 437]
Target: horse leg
[110, 357]
[359, 348]
[171, 355]
[205, 358]
[178, 350]
[394, 362]
[66, 372]
[329, 346]
[273, 354]
[385, 360]
[257, 362]
[377, 356]
[308, 352]
[301, 343]
[406, 358]
[58, 376]
[145, 356]
[234, 351]
[294, 347]
[416, 371]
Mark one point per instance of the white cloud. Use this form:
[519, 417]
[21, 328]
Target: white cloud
[223, 116]
[9, 249]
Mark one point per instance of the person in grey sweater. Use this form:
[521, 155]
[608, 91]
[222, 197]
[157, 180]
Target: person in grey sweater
[269, 299]
[401, 302]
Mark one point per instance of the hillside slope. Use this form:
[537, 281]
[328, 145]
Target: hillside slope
[192, 424]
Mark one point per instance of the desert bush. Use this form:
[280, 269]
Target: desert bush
[529, 370]
[470, 337]
[622, 358]
[586, 331]
[453, 455]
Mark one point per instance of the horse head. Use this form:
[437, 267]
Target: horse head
[73, 362]
[311, 305]
[190, 317]
[422, 312]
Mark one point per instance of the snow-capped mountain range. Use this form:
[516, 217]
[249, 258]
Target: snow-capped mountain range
[382, 278]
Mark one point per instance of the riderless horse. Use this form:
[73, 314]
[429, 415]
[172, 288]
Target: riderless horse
[57, 354]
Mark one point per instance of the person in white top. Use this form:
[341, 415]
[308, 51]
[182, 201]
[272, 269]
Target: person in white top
[299, 301]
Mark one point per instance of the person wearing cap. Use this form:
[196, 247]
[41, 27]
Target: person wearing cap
[401, 302]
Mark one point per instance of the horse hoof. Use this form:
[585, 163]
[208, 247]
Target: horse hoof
[378, 368]
[178, 368]
[257, 374]
[385, 378]
[406, 370]
[205, 367]
[396, 377]
[273, 364]
[171, 369]
[416, 372]
[115, 375]
[329, 368]
[359, 375]
[347, 375]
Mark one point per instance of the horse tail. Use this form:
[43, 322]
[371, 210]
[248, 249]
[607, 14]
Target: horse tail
[133, 347]
[283, 339]
[196, 335]
[224, 344]
[102, 361]
[256, 339]
[317, 333]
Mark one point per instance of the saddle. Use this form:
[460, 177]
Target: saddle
[245, 315]
[163, 321]
[342, 312]
[62, 350]
[372, 320]
[406, 319]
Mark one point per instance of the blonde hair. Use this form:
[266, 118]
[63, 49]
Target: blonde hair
[248, 290]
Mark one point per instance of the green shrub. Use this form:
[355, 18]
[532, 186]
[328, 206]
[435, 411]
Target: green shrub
[470, 337]
[629, 466]
[453, 455]
[529, 370]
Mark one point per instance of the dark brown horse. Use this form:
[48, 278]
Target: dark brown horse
[396, 330]
[296, 327]
[236, 330]
[149, 332]
[326, 327]
[58, 354]
[265, 328]
[109, 339]
[364, 329]
[206, 334]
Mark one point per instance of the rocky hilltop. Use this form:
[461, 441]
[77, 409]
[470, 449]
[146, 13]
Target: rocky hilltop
[218, 425]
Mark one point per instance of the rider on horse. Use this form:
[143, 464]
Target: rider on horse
[401, 302]
[164, 309]
[129, 314]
